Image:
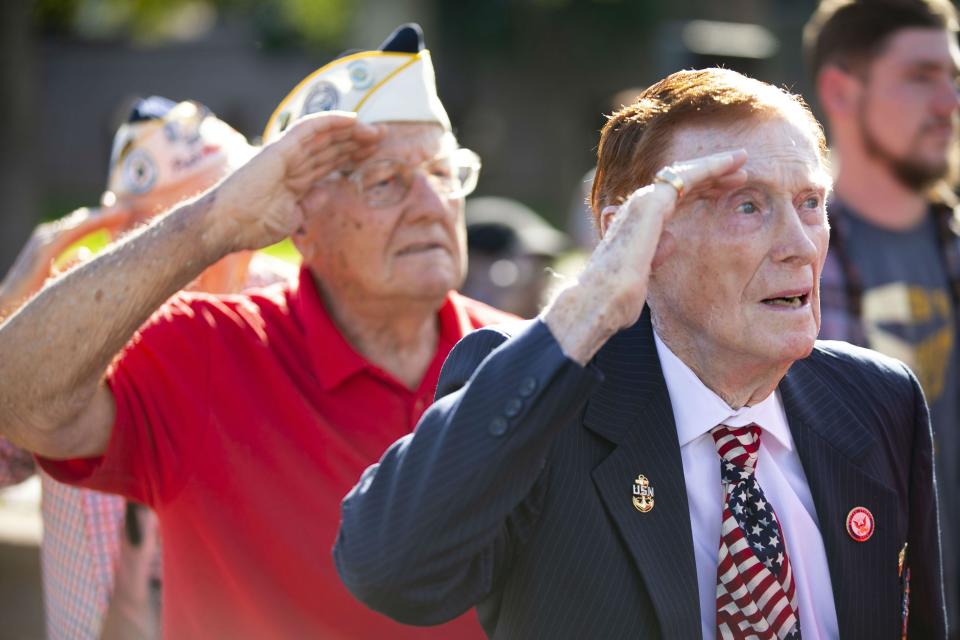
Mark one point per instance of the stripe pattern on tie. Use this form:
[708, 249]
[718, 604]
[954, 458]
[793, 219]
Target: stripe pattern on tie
[756, 593]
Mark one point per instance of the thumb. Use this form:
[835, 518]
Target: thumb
[316, 198]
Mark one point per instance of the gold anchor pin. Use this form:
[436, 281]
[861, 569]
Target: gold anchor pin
[642, 494]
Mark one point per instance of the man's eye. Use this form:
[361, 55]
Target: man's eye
[923, 78]
[383, 183]
[813, 202]
[379, 179]
[747, 207]
[441, 170]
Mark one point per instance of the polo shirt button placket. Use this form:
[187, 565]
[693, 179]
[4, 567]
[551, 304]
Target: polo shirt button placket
[418, 407]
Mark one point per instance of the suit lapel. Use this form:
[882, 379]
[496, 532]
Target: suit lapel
[832, 443]
[632, 410]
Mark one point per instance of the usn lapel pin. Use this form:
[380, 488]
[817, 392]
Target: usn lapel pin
[642, 494]
[860, 524]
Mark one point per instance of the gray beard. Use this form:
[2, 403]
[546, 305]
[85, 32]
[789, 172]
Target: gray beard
[910, 172]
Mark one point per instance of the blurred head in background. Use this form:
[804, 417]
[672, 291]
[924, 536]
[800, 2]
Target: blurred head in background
[166, 152]
[510, 251]
[886, 77]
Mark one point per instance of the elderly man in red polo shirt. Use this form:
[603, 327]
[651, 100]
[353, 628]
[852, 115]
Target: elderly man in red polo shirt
[242, 420]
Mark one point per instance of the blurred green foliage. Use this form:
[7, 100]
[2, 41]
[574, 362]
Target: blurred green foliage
[97, 241]
[322, 24]
[277, 23]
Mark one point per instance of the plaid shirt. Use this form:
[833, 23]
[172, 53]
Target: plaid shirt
[841, 286]
[82, 528]
[81, 539]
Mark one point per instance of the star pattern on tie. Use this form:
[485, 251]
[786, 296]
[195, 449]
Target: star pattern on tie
[759, 523]
[756, 594]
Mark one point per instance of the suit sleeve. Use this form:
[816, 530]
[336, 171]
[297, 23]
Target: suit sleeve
[927, 618]
[429, 531]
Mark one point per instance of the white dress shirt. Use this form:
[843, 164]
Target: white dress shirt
[697, 410]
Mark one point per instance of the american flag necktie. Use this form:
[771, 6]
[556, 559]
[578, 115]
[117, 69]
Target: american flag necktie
[756, 594]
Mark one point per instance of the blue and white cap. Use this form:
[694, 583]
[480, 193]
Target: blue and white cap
[395, 83]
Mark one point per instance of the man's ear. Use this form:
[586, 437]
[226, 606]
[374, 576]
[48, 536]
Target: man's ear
[606, 218]
[838, 90]
[665, 248]
[303, 244]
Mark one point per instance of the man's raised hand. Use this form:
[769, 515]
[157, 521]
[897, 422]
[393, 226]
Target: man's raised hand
[610, 292]
[261, 202]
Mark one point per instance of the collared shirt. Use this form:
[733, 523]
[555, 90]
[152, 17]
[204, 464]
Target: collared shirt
[243, 420]
[697, 410]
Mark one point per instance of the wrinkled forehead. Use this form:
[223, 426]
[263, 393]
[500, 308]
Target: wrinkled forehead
[414, 141]
[778, 148]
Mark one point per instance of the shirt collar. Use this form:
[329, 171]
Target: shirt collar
[697, 409]
[333, 358]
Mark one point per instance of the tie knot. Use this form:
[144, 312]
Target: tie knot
[737, 446]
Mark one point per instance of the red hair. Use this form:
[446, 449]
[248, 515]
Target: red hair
[635, 138]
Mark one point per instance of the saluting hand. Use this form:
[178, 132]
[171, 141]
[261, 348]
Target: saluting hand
[612, 289]
[633, 239]
[260, 203]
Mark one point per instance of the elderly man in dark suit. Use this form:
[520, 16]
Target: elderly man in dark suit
[667, 452]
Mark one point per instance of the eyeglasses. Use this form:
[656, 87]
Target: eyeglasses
[386, 182]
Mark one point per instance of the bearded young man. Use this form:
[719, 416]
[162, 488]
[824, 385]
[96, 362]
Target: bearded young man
[242, 420]
[667, 452]
[886, 76]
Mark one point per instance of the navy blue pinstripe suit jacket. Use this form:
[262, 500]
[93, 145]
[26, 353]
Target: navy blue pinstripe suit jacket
[514, 494]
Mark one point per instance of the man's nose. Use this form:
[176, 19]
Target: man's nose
[795, 238]
[425, 198]
[947, 100]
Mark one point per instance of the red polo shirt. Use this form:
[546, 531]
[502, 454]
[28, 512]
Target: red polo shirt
[243, 420]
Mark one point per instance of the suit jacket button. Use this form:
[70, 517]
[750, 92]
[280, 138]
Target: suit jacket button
[513, 408]
[527, 387]
[498, 426]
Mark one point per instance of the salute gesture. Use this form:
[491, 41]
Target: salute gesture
[260, 203]
[613, 286]
[257, 205]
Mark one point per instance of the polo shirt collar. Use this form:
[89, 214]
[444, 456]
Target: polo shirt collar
[333, 358]
[697, 409]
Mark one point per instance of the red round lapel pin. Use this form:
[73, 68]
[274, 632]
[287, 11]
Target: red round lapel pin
[860, 524]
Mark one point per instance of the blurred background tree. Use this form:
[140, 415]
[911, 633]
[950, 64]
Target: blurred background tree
[526, 81]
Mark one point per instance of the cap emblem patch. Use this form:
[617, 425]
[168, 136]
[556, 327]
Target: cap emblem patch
[360, 75]
[139, 171]
[322, 97]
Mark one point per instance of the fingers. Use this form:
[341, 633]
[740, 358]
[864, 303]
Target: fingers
[329, 143]
[318, 123]
[323, 129]
[715, 170]
[714, 166]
